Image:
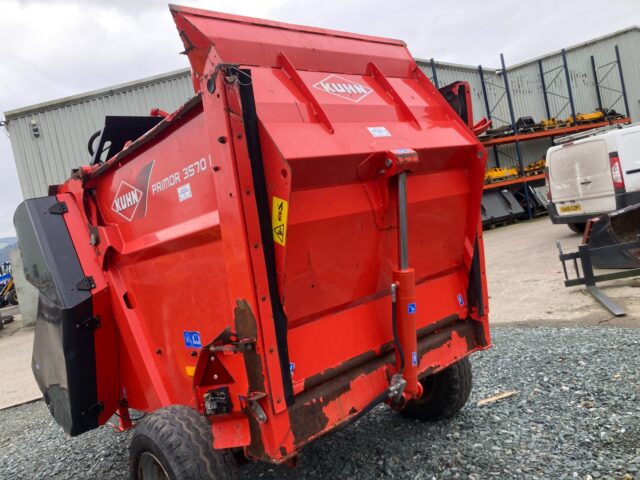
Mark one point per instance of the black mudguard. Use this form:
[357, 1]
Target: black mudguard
[64, 362]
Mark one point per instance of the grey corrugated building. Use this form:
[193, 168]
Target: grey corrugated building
[50, 139]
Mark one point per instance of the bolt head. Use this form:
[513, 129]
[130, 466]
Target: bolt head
[388, 162]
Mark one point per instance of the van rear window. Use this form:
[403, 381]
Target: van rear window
[579, 160]
[631, 146]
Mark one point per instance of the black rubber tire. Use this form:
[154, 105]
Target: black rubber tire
[445, 393]
[13, 298]
[577, 227]
[180, 440]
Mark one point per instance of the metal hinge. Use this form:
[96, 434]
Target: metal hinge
[235, 346]
[95, 409]
[91, 322]
[86, 283]
[254, 407]
[58, 208]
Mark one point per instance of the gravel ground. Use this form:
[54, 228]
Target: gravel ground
[577, 415]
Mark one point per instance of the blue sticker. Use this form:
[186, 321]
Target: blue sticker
[411, 308]
[414, 358]
[292, 368]
[460, 300]
[192, 339]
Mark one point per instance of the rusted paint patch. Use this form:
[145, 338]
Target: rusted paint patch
[245, 325]
[256, 447]
[329, 373]
[370, 355]
[307, 414]
[439, 325]
[480, 334]
[307, 421]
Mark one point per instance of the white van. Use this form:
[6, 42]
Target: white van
[593, 175]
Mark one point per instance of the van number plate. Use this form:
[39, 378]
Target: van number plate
[574, 207]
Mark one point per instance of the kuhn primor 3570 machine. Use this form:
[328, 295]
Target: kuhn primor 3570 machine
[295, 245]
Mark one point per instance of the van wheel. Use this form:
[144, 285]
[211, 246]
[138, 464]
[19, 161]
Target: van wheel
[445, 393]
[577, 227]
[175, 443]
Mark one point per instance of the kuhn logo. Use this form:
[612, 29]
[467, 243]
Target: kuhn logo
[343, 88]
[130, 200]
[127, 200]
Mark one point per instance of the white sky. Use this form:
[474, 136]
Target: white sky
[51, 49]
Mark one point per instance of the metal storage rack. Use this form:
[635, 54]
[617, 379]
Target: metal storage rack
[521, 184]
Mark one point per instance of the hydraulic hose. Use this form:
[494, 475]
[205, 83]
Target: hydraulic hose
[92, 139]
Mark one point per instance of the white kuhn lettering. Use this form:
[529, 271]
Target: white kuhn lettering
[343, 88]
[126, 200]
[332, 87]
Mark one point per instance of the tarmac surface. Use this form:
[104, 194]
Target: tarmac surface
[526, 286]
[16, 380]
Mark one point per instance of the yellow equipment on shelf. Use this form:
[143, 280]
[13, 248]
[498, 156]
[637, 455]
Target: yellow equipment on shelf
[587, 117]
[497, 174]
[548, 123]
[535, 166]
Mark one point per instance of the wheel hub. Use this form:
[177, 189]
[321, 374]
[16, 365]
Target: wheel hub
[150, 468]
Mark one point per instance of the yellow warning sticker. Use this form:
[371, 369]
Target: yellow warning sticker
[279, 212]
[189, 370]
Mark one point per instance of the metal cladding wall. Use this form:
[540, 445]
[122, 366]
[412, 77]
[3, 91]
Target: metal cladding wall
[526, 86]
[64, 126]
[527, 92]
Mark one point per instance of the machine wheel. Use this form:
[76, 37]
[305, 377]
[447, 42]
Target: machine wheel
[175, 443]
[13, 298]
[577, 227]
[445, 393]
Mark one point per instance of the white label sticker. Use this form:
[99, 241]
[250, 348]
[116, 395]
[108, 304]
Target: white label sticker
[184, 192]
[378, 132]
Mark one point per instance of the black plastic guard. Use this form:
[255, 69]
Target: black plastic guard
[260, 185]
[63, 360]
[117, 131]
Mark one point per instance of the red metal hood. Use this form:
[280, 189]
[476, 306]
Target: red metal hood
[250, 41]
